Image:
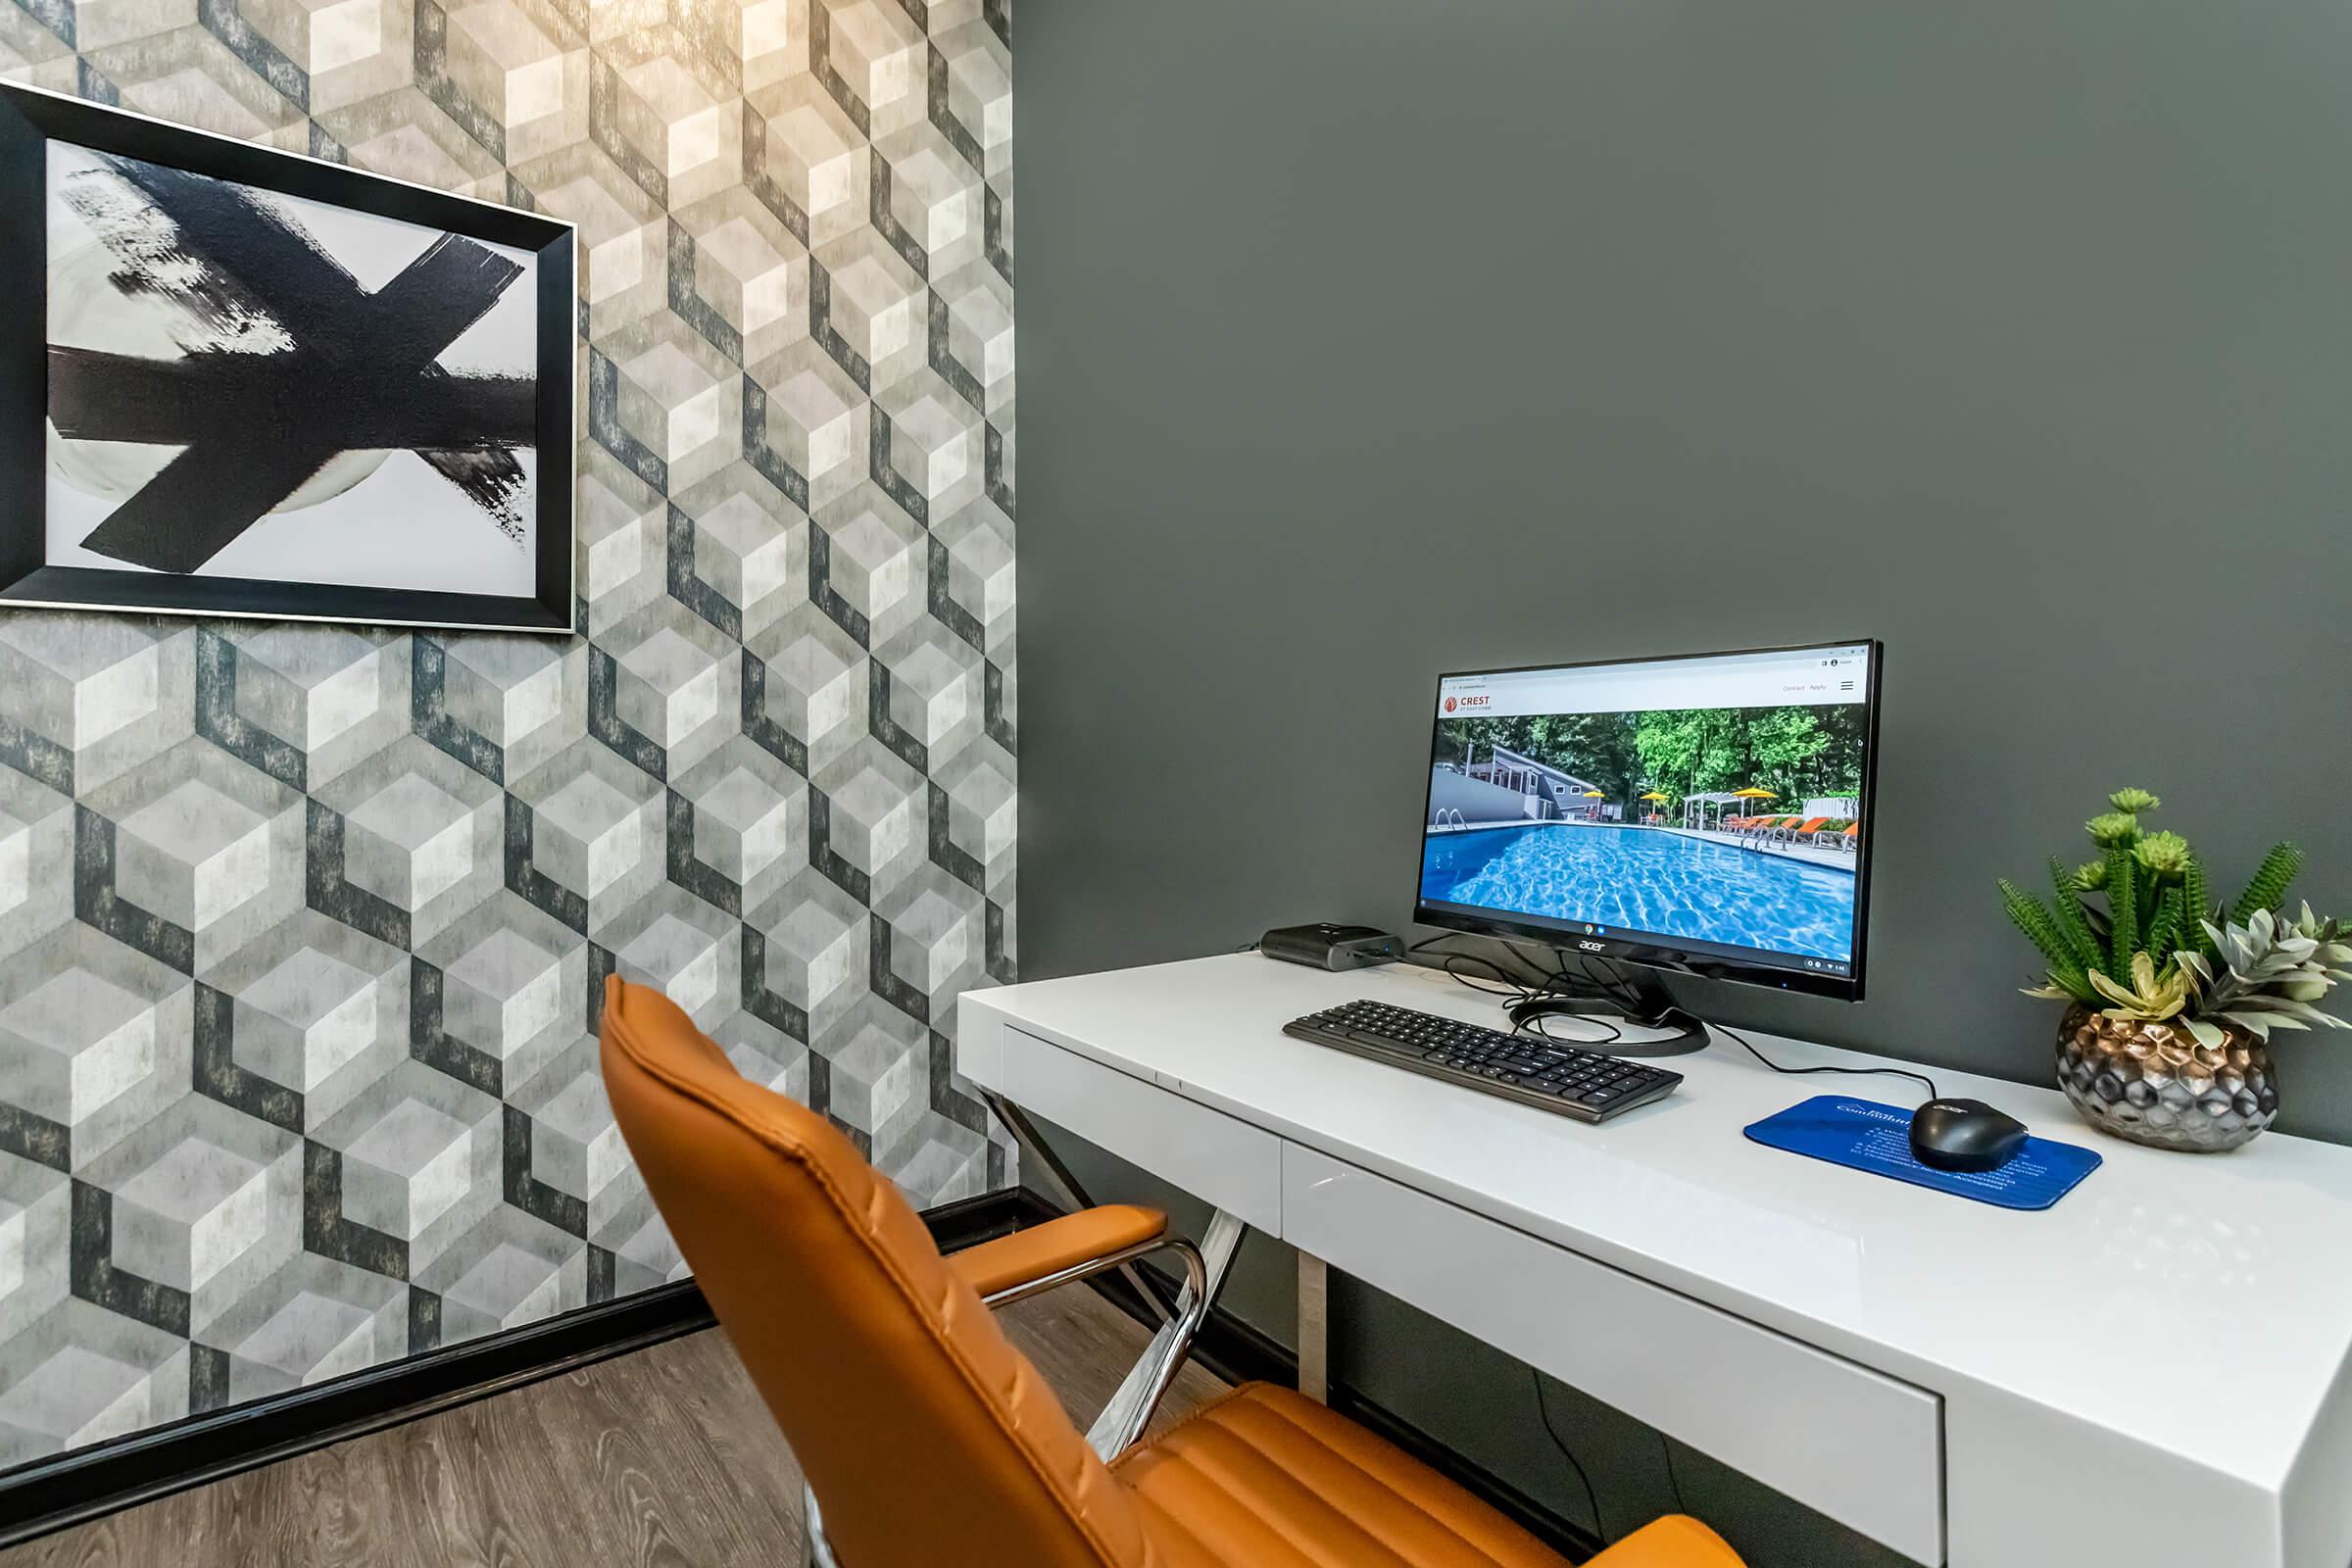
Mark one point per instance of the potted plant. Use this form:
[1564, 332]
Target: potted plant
[2173, 997]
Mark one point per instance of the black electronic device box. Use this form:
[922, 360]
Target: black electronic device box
[1332, 947]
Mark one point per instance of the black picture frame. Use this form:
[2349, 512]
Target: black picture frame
[29, 119]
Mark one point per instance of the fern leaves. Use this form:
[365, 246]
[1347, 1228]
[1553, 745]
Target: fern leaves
[2068, 971]
[2268, 890]
[2196, 900]
[2122, 902]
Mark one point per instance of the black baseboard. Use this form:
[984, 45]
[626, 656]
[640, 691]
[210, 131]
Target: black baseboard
[1240, 1353]
[74, 1487]
[49, 1495]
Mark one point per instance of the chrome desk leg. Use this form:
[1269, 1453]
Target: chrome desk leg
[1024, 1131]
[1121, 1421]
[1314, 1329]
[818, 1552]
[1142, 1281]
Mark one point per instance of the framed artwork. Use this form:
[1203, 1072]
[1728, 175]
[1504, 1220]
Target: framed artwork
[251, 384]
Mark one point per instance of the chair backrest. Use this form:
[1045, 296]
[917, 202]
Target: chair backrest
[926, 1437]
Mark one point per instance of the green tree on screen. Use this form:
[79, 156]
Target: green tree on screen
[1795, 751]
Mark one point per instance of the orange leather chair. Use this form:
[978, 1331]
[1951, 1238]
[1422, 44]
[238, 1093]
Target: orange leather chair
[929, 1439]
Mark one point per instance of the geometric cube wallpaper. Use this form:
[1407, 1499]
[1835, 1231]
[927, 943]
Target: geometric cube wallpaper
[302, 928]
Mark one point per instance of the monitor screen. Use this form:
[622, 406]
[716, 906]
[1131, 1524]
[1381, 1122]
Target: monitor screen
[1710, 812]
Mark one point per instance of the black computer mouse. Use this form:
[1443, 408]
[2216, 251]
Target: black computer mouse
[1964, 1135]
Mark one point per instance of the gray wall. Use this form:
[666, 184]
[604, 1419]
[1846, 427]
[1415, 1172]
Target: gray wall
[1363, 339]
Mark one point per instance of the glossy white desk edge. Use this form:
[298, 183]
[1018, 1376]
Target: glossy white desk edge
[2157, 1371]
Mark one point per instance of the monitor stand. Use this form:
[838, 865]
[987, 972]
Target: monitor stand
[1649, 1007]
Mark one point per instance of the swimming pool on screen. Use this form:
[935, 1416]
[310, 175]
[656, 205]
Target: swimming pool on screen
[1653, 880]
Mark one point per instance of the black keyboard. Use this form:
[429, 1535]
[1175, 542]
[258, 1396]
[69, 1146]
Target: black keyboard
[1532, 1069]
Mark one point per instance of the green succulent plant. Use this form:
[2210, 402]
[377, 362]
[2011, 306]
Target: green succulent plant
[2267, 974]
[2136, 932]
[2112, 827]
[2165, 855]
[2150, 994]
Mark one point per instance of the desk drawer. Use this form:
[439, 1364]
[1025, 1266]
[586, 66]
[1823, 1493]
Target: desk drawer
[1227, 1163]
[1854, 1444]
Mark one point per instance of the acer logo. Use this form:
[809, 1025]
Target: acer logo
[1593, 947]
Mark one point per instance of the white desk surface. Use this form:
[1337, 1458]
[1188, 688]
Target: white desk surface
[2198, 1304]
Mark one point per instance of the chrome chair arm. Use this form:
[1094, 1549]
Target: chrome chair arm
[1130, 1411]
[1121, 1425]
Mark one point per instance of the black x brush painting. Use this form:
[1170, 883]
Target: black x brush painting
[276, 387]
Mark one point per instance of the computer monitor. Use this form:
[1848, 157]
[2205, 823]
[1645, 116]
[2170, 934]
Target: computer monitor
[1709, 813]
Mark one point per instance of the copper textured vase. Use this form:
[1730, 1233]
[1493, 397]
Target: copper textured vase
[2154, 1083]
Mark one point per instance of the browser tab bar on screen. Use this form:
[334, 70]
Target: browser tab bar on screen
[1818, 676]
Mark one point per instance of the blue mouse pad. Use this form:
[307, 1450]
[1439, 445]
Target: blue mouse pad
[1876, 1138]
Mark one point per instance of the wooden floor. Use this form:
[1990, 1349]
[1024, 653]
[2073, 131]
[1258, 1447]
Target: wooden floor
[664, 1457]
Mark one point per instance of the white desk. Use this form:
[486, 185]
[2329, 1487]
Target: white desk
[2154, 1372]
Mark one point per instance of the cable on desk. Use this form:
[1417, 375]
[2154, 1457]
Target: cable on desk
[1543, 1410]
[1616, 984]
[1512, 985]
[1554, 981]
[1556, 969]
[1521, 986]
[1508, 988]
[1535, 1026]
[1603, 975]
[1666, 1448]
[1857, 1072]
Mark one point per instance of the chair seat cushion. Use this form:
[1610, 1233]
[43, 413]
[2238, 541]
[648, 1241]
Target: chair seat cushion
[1264, 1477]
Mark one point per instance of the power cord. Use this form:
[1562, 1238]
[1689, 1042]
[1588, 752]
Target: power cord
[1614, 983]
[1535, 1026]
[1858, 1072]
[1558, 970]
[1518, 985]
[1592, 1497]
[1603, 976]
[1666, 1448]
[1551, 980]
[1509, 986]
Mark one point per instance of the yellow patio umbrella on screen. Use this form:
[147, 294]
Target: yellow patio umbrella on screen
[1654, 798]
[1751, 793]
